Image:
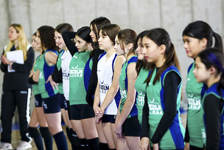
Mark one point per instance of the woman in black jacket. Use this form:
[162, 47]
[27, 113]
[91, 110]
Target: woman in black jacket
[16, 89]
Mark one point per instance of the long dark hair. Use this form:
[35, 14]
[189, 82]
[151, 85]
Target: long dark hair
[64, 27]
[200, 30]
[161, 37]
[140, 63]
[83, 33]
[47, 37]
[214, 57]
[110, 30]
[125, 37]
[97, 23]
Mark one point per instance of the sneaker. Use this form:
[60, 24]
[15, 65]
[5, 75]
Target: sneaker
[5, 146]
[24, 145]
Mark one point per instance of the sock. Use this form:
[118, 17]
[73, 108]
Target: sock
[60, 141]
[69, 134]
[34, 133]
[48, 140]
[75, 140]
[82, 144]
[93, 143]
[103, 146]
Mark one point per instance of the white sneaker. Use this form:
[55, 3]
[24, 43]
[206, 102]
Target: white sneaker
[5, 146]
[24, 145]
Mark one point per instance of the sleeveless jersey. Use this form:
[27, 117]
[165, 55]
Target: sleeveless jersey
[195, 113]
[174, 136]
[79, 74]
[140, 87]
[35, 67]
[65, 62]
[123, 83]
[105, 71]
[46, 70]
[58, 64]
[213, 90]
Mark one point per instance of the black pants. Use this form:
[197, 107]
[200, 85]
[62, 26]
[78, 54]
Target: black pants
[11, 99]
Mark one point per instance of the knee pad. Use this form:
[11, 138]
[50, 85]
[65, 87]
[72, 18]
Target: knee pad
[33, 131]
[45, 132]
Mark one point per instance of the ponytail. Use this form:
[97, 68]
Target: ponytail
[218, 41]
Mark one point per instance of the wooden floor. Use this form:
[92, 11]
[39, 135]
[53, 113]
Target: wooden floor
[16, 136]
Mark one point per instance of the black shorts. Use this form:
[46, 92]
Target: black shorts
[38, 100]
[108, 118]
[82, 111]
[131, 127]
[63, 103]
[52, 104]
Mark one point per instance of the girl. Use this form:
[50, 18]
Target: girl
[38, 117]
[209, 70]
[108, 72]
[142, 72]
[16, 89]
[95, 26]
[82, 115]
[60, 75]
[127, 117]
[161, 117]
[197, 36]
[45, 38]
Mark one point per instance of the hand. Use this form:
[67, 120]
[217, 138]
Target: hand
[53, 84]
[98, 114]
[5, 60]
[186, 146]
[144, 144]
[156, 146]
[118, 129]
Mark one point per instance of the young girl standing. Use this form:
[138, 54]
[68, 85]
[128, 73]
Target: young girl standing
[95, 26]
[197, 36]
[209, 70]
[81, 113]
[38, 117]
[142, 69]
[127, 125]
[107, 94]
[161, 117]
[45, 38]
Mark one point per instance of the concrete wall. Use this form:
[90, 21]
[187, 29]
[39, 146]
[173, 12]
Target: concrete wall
[173, 15]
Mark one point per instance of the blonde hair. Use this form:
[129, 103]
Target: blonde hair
[22, 41]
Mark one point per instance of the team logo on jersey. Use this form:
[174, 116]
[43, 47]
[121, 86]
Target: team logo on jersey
[141, 98]
[123, 93]
[103, 87]
[193, 102]
[41, 75]
[65, 74]
[154, 107]
[75, 72]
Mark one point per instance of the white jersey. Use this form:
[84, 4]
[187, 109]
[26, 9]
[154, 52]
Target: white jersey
[65, 62]
[105, 77]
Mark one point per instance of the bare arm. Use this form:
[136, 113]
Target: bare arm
[115, 83]
[51, 58]
[132, 75]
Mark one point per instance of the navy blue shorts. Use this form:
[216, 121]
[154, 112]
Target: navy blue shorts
[52, 104]
[82, 111]
[38, 100]
[108, 118]
[63, 103]
[131, 127]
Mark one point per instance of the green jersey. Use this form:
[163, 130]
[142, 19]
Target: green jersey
[195, 114]
[46, 70]
[79, 74]
[35, 68]
[123, 83]
[58, 64]
[173, 138]
[140, 87]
